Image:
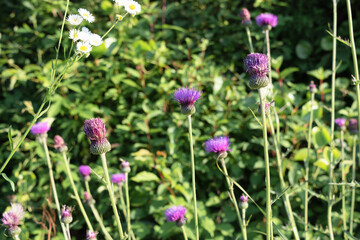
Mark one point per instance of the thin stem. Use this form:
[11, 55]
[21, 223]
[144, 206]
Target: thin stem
[248, 33]
[53, 186]
[233, 198]
[267, 168]
[277, 125]
[116, 21]
[307, 163]
[353, 188]
[128, 204]
[244, 220]
[111, 194]
[343, 188]
[122, 201]
[77, 197]
[331, 164]
[268, 52]
[193, 177]
[184, 233]
[68, 230]
[282, 182]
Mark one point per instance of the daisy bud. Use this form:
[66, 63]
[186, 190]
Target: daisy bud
[341, 122]
[266, 21]
[312, 87]
[66, 216]
[125, 167]
[118, 178]
[176, 214]
[257, 65]
[90, 235]
[245, 17]
[59, 144]
[219, 145]
[85, 172]
[95, 130]
[187, 98]
[243, 202]
[353, 126]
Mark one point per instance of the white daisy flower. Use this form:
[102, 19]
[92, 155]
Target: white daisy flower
[95, 40]
[132, 7]
[121, 3]
[74, 19]
[85, 34]
[86, 15]
[83, 47]
[74, 34]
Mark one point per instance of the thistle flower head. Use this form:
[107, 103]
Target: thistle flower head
[257, 65]
[353, 126]
[118, 178]
[176, 214]
[267, 20]
[91, 235]
[59, 144]
[66, 216]
[219, 145]
[125, 166]
[132, 7]
[12, 218]
[85, 171]
[243, 202]
[341, 122]
[95, 130]
[245, 17]
[312, 87]
[40, 128]
[85, 14]
[187, 98]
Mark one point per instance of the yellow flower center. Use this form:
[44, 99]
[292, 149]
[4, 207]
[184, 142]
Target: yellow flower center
[83, 48]
[76, 36]
[85, 15]
[132, 7]
[75, 20]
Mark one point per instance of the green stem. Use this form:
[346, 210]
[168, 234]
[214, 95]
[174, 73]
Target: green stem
[111, 194]
[353, 188]
[233, 199]
[282, 182]
[53, 186]
[267, 168]
[248, 33]
[68, 230]
[244, 221]
[331, 164]
[112, 26]
[77, 197]
[307, 163]
[122, 201]
[128, 204]
[268, 52]
[343, 189]
[193, 177]
[184, 233]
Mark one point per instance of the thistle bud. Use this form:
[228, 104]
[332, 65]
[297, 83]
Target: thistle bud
[341, 122]
[312, 87]
[243, 202]
[353, 126]
[96, 132]
[257, 65]
[245, 17]
[85, 172]
[125, 167]
[59, 144]
[66, 216]
[90, 235]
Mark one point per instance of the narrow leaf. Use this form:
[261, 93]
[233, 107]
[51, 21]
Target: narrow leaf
[9, 180]
[10, 139]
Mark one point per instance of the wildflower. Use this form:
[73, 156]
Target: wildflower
[118, 178]
[243, 202]
[245, 17]
[219, 145]
[95, 40]
[12, 218]
[312, 87]
[176, 214]
[257, 65]
[85, 171]
[132, 7]
[74, 34]
[86, 15]
[90, 235]
[59, 144]
[187, 98]
[267, 108]
[119, 17]
[66, 216]
[95, 130]
[40, 128]
[83, 47]
[74, 19]
[353, 126]
[125, 166]
[121, 3]
[341, 123]
[267, 20]
[88, 198]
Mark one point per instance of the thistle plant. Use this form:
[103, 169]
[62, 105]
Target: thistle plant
[187, 98]
[257, 65]
[177, 214]
[246, 22]
[96, 132]
[12, 219]
[220, 146]
[243, 203]
[90, 235]
[66, 218]
[353, 129]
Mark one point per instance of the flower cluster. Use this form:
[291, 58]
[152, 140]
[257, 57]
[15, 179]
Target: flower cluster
[257, 65]
[219, 145]
[132, 7]
[267, 20]
[12, 218]
[176, 214]
[187, 98]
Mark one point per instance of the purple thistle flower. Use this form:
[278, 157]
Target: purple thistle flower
[245, 17]
[176, 214]
[243, 202]
[85, 171]
[95, 130]
[66, 216]
[13, 217]
[59, 144]
[312, 87]
[257, 65]
[118, 178]
[90, 235]
[218, 144]
[187, 98]
[267, 20]
[87, 197]
[340, 122]
[125, 167]
[353, 126]
[40, 128]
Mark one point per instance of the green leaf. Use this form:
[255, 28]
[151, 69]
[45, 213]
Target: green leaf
[226, 229]
[322, 163]
[302, 154]
[10, 139]
[9, 180]
[145, 177]
[209, 225]
[321, 136]
[277, 62]
[303, 49]
[320, 73]
[287, 71]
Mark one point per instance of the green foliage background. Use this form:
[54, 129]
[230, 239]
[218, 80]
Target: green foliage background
[129, 85]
